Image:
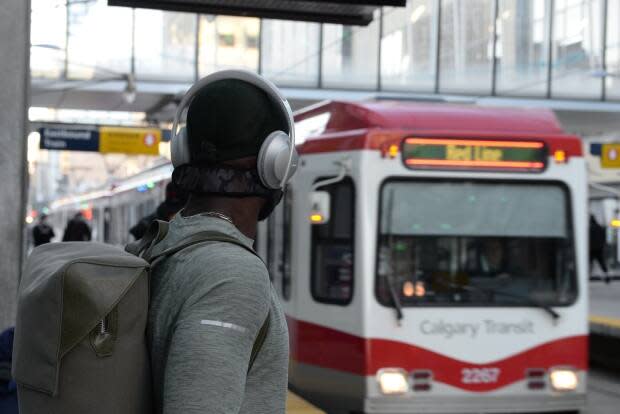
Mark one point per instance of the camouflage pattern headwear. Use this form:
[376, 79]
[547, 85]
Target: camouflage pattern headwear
[228, 181]
[220, 179]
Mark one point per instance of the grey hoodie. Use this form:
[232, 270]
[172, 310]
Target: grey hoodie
[208, 303]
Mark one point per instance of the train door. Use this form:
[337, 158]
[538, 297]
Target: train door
[278, 249]
[325, 303]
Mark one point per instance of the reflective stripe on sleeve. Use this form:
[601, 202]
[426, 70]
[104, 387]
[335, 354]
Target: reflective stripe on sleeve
[224, 325]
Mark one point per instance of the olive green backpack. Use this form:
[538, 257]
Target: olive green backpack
[80, 338]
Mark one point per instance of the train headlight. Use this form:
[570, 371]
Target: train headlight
[564, 379]
[392, 381]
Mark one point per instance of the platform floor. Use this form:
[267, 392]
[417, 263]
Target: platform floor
[297, 405]
[605, 308]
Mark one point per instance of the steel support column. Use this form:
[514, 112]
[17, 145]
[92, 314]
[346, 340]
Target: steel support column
[14, 93]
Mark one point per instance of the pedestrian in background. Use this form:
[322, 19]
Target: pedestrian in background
[77, 229]
[175, 200]
[598, 243]
[42, 233]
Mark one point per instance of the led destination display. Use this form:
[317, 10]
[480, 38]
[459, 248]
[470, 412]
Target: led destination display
[474, 154]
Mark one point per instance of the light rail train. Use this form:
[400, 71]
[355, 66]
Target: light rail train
[430, 258]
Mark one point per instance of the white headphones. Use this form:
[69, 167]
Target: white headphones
[277, 158]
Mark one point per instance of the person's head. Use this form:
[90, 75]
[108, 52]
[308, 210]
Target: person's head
[493, 251]
[237, 140]
[43, 218]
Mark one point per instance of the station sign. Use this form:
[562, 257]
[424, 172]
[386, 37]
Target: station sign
[474, 154]
[69, 139]
[129, 140]
[104, 139]
[610, 155]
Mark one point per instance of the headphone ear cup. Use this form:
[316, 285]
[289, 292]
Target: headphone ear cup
[179, 152]
[273, 160]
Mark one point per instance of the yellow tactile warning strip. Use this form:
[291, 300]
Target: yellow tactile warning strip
[605, 320]
[297, 405]
[604, 325]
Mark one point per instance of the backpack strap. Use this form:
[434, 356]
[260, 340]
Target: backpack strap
[213, 236]
[154, 234]
[201, 237]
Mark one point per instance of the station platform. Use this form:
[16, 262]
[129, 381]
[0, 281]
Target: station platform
[605, 308]
[605, 323]
[297, 405]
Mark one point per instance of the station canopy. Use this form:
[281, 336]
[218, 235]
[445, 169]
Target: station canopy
[350, 12]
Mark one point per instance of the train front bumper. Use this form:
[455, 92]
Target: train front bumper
[475, 404]
[443, 399]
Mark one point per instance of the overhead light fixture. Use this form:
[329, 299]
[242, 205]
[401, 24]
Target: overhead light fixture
[129, 94]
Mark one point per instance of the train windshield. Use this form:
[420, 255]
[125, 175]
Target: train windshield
[475, 243]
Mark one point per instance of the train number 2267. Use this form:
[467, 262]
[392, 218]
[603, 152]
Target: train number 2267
[479, 375]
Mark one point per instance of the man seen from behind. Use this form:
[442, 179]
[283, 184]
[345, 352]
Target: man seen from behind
[211, 302]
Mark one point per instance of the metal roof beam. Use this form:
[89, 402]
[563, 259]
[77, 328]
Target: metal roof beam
[350, 12]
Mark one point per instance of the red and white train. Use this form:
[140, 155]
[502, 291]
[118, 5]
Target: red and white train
[447, 272]
[430, 258]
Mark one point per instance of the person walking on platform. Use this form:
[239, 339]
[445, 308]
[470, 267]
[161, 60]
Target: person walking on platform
[213, 305]
[175, 200]
[77, 229]
[598, 242]
[42, 233]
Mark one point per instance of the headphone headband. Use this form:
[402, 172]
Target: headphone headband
[250, 77]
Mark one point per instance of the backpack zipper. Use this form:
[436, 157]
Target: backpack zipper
[103, 326]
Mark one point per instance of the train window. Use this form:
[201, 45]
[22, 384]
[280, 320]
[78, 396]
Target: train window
[332, 247]
[476, 243]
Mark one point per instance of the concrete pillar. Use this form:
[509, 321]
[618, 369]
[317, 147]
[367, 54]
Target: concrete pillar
[14, 97]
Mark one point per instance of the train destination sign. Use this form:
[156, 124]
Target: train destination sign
[474, 154]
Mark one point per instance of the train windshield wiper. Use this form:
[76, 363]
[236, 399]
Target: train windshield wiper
[395, 299]
[524, 300]
[389, 277]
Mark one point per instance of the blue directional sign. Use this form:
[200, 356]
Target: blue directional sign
[67, 138]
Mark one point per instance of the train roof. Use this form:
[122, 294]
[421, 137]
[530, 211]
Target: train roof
[428, 118]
